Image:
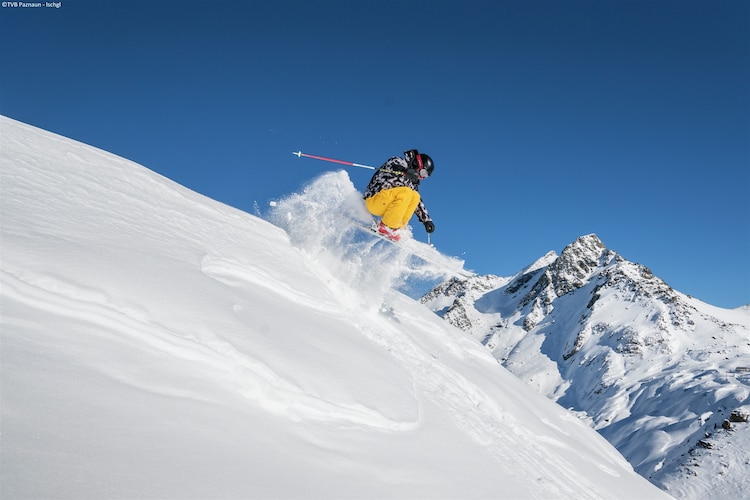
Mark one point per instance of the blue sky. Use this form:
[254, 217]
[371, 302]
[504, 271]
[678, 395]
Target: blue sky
[546, 120]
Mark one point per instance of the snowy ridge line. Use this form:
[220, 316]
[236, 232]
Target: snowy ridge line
[256, 381]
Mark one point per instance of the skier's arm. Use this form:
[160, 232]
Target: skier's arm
[424, 217]
[422, 213]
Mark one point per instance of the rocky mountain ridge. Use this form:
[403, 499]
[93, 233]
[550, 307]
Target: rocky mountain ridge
[655, 371]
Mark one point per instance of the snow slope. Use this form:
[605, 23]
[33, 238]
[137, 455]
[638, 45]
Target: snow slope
[158, 344]
[660, 374]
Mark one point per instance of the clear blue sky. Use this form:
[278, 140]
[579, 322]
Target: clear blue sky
[547, 120]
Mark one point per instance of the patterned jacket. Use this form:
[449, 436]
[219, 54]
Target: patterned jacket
[395, 172]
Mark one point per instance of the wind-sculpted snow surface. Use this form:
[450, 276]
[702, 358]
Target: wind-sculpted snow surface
[158, 344]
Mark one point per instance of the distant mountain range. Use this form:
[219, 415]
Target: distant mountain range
[661, 375]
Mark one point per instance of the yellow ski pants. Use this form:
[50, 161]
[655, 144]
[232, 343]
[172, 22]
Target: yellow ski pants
[395, 205]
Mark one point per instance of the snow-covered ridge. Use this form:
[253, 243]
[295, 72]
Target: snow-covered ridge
[158, 344]
[658, 373]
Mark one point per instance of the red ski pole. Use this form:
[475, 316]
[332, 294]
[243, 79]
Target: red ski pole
[300, 154]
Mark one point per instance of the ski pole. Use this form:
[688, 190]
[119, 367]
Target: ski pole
[300, 154]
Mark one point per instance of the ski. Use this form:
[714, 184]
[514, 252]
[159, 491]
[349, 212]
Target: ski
[424, 251]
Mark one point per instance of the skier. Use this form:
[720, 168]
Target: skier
[392, 193]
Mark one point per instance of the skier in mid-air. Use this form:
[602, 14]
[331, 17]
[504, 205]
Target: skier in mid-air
[393, 193]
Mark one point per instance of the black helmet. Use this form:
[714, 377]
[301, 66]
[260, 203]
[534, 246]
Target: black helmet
[420, 162]
[427, 163]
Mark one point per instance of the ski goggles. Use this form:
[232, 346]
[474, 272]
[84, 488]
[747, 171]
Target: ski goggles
[421, 171]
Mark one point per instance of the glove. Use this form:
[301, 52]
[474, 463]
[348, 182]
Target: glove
[412, 175]
[429, 226]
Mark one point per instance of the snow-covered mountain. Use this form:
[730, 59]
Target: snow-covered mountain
[663, 376]
[158, 344]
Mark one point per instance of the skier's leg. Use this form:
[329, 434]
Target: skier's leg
[404, 201]
[412, 200]
[378, 203]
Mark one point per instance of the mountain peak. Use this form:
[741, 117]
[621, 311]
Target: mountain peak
[589, 242]
[577, 262]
